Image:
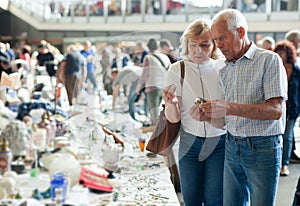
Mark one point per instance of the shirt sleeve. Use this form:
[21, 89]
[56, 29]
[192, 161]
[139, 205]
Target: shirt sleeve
[275, 78]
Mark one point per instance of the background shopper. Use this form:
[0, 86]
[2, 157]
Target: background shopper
[287, 52]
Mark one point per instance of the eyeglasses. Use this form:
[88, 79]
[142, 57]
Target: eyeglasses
[204, 45]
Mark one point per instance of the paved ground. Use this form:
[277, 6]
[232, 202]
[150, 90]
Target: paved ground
[287, 185]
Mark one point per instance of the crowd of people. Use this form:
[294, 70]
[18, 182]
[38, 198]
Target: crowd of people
[234, 144]
[93, 68]
[96, 7]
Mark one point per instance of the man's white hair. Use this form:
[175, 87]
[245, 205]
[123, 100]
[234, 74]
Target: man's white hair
[292, 35]
[234, 19]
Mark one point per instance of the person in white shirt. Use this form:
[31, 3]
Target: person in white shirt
[201, 147]
[153, 78]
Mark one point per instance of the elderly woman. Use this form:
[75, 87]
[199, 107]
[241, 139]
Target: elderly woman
[201, 148]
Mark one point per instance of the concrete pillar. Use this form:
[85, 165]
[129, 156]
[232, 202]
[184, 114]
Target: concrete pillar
[292, 5]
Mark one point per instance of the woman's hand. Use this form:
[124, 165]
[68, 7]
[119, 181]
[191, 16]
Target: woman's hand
[169, 94]
[198, 114]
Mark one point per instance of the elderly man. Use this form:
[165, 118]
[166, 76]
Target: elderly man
[254, 83]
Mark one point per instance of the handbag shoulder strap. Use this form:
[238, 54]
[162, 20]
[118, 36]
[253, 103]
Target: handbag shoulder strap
[182, 72]
[159, 59]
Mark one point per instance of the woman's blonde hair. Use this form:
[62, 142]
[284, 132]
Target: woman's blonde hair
[196, 30]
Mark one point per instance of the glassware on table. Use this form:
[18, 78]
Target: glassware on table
[58, 187]
[142, 142]
[111, 157]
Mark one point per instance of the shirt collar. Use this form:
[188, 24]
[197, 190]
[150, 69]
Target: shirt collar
[249, 53]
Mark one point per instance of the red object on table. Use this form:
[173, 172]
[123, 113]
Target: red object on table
[94, 181]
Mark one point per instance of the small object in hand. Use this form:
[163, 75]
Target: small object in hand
[172, 87]
[199, 100]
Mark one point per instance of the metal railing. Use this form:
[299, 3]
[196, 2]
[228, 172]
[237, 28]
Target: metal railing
[73, 11]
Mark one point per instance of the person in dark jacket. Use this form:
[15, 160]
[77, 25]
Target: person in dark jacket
[5, 65]
[75, 73]
[287, 52]
[46, 58]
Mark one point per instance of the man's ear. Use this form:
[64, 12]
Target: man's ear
[241, 32]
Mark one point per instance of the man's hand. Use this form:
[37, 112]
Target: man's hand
[214, 109]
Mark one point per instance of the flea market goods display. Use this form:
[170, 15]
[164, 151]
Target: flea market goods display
[100, 142]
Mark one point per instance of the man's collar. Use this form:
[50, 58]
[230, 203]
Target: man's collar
[249, 53]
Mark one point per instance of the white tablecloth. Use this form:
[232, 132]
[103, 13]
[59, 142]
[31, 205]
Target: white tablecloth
[140, 181]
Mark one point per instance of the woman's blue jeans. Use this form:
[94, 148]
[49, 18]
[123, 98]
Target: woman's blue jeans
[288, 141]
[201, 181]
[251, 170]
